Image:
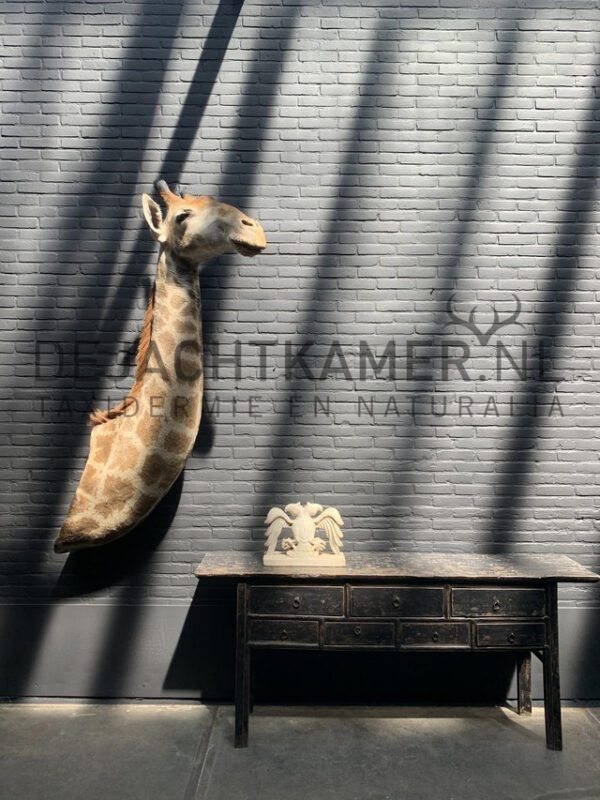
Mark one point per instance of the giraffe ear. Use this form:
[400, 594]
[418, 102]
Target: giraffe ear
[154, 218]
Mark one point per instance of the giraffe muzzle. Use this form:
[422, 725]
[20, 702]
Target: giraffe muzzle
[246, 249]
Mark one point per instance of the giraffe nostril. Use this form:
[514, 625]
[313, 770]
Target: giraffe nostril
[248, 222]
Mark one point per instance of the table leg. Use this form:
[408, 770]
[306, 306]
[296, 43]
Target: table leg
[524, 683]
[242, 669]
[551, 676]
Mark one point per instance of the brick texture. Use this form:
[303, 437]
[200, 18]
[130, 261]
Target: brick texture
[399, 155]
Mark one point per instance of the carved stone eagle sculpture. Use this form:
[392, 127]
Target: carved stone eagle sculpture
[304, 547]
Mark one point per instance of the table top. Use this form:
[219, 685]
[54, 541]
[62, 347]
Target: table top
[405, 566]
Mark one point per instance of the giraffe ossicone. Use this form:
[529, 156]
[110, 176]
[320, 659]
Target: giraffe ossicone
[139, 448]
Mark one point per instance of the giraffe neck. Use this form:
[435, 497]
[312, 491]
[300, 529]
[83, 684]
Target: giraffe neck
[174, 271]
[174, 367]
[177, 325]
[135, 457]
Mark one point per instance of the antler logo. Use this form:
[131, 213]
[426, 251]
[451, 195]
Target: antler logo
[483, 337]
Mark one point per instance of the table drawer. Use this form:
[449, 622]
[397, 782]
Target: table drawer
[498, 602]
[372, 634]
[389, 601]
[283, 631]
[316, 601]
[523, 634]
[434, 634]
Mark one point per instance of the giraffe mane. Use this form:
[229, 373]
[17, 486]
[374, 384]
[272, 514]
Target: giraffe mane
[98, 416]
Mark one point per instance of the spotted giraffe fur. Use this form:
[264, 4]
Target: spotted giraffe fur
[139, 448]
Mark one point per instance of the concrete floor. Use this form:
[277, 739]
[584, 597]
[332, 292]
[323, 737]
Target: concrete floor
[185, 752]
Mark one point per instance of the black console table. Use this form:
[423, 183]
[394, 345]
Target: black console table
[403, 602]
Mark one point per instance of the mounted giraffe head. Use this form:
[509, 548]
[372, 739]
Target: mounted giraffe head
[197, 228]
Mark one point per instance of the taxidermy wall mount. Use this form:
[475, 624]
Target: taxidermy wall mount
[139, 448]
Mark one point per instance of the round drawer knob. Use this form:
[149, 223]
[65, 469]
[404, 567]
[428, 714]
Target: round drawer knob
[496, 605]
[284, 635]
[357, 630]
[296, 602]
[435, 637]
[396, 601]
[511, 637]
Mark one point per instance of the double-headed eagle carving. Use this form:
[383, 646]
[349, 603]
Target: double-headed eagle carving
[304, 547]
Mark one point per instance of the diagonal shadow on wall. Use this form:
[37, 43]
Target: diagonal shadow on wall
[37, 48]
[555, 303]
[121, 147]
[450, 271]
[240, 170]
[375, 81]
[280, 477]
[188, 123]
[155, 29]
[123, 629]
[88, 572]
[518, 458]
[124, 567]
[190, 668]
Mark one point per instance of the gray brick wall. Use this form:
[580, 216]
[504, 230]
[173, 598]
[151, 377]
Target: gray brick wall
[398, 154]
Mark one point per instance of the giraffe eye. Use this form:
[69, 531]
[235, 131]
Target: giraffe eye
[181, 216]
